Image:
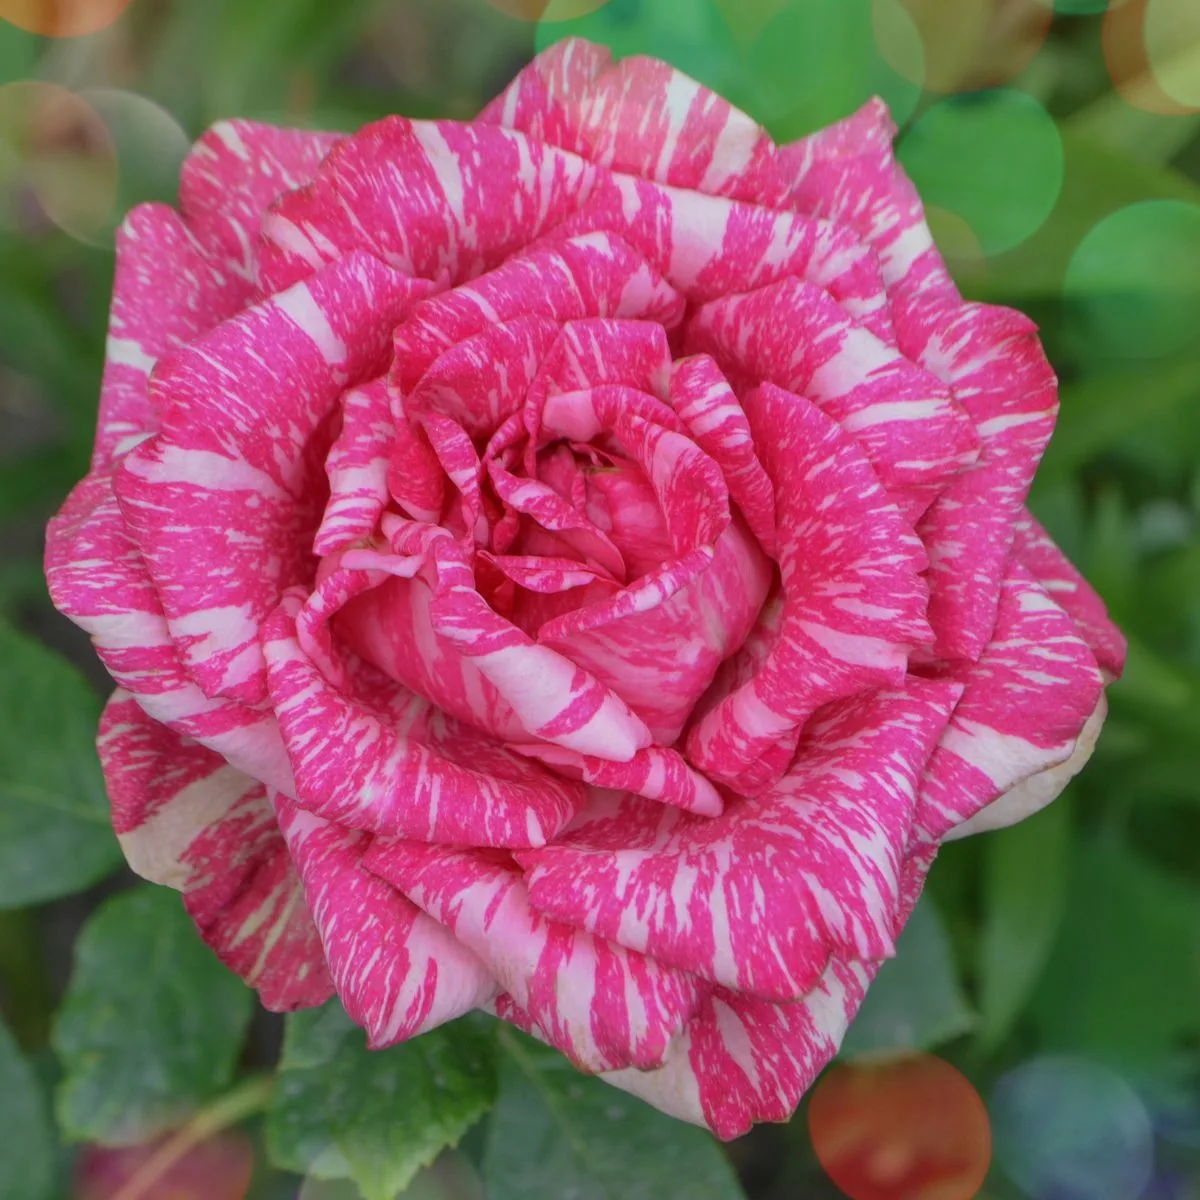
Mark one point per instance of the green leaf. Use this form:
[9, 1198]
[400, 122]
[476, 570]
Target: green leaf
[151, 1025]
[916, 1001]
[1024, 885]
[1124, 975]
[26, 1145]
[555, 1132]
[375, 1116]
[55, 836]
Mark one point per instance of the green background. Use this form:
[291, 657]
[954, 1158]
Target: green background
[1041, 955]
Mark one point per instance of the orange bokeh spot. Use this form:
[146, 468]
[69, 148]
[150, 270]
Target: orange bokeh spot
[968, 44]
[62, 18]
[548, 10]
[1134, 72]
[909, 1128]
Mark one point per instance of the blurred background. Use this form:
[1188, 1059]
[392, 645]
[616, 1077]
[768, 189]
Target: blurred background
[1057, 145]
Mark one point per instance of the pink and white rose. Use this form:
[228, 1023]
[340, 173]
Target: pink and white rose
[572, 564]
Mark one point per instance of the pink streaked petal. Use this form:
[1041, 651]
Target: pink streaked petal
[1026, 703]
[231, 477]
[438, 200]
[848, 174]
[97, 579]
[758, 899]
[415, 479]
[656, 773]
[995, 363]
[709, 247]
[397, 972]
[357, 466]
[659, 642]
[373, 757]
[640, 116]
[187, 819]
[707, 406]
[601, 1005]
[853, 597]
[482, 381]
[795, 335]
[593, 275]
[743, 1060]
[1036, 551]
[167, 291]
[235, 172]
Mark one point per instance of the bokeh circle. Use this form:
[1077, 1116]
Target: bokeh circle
[1070, 1129]
[1133, 284]
[903, 1128]
[62, 18]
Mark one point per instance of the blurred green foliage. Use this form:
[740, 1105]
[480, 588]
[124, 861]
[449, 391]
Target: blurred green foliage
[1078, 933]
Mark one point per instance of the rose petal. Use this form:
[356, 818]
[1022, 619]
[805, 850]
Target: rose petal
[235, 172]
[854, 600]
[230, 478]
[357, 466]
[796, 336]
[187, 819]
[397, 972]
[1036, 551]
[707, 406]
[996, 365]
[594, 275]
[167, 291]
[436, 199]
[97, 579]
[758, 899]
[743, 1060]
[639, 116]
[598, 1003]
[1026, 702]
[379, 759]
[708, 247]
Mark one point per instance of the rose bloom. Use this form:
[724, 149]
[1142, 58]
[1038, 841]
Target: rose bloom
[571, 564]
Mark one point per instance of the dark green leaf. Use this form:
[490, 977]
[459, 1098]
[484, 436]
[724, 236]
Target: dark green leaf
[343, 1111]
[1024, 884]
[55, 836]
[1124, 975]
[26, 1145]
[555, 1132]
[916, 1001]
[151, 1025]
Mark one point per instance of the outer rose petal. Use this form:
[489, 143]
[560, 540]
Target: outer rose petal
[234, 173]
[601, 1005]
[379, 759]
[640, 116]
[1026, 703]
[996, 365]
[230, 478]
[397, 972]
[743, 1060]
[853, 597]
[758, 899]
[167, 291]
[1033, 793]
[187, 819]
[1035, 550]
[97, 578]
[435, 199]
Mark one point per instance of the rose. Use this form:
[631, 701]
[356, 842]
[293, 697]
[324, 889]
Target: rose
[572, 563]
